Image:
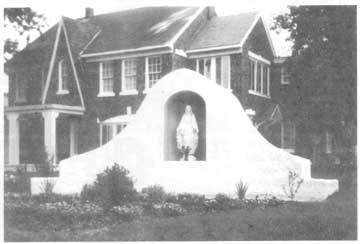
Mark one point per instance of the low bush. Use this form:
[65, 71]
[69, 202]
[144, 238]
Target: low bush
[168, 209]
[113, 187]
[127, 212]
[155, 194]
[191, 202]
[17, 182]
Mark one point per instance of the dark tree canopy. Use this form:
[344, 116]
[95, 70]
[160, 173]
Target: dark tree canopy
[23, 20]
[323, 62]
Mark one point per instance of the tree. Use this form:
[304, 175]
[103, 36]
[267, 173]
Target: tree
[23, 20]
[322, 65]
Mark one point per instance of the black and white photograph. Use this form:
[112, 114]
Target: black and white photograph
[179, 121]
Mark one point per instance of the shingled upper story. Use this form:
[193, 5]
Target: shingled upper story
[76, 86]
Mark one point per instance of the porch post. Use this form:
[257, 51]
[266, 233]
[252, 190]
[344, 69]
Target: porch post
[50, 133]
[14, 152]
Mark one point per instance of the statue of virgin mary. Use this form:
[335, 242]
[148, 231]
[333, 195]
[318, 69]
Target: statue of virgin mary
[187, 135]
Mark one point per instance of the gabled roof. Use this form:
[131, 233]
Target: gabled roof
[138, 28]
[226, 32]
[223, 31]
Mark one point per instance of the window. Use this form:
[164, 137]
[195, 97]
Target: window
[109, 131]
[128, 79]
[328, 142]
[288, 136]
[285, 76]
[63, 78]
[217, 69]
[152, 71]
[20, 88]
[106, 79]
[259, 75]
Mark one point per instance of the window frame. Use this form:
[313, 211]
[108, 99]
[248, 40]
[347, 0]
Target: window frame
[255, 61]
[284, 74]
[213, 69]
[114, 130]
[148, 73]
[292, 136]
[103, 93]
[61, 69]
[125, 91]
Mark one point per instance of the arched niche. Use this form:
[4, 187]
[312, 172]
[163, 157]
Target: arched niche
[174, 109]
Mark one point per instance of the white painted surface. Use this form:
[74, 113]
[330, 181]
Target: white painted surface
[14, 135]
[50, 132]
[235, 150]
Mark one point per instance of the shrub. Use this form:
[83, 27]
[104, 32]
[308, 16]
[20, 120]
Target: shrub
[168, 209]
[294, 183]
[223, 201]
[113, 187]
[241, 189]
[154, 193]
[127, 212]
[17, 182]
[191, 202]
[47, 186]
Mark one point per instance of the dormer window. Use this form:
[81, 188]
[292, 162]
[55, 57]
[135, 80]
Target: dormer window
[63, 78]
[106, 79]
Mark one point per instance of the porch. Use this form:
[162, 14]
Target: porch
[32, 131]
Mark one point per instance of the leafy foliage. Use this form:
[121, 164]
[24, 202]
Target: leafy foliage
[23, 20]
[322, 67]
[113, 187]
[241, 189]
[154, 193]
[294, 183]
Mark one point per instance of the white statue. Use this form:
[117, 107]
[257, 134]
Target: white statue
[187, 135]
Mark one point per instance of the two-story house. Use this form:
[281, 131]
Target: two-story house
[79, 84]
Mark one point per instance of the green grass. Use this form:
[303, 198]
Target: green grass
[334, 219]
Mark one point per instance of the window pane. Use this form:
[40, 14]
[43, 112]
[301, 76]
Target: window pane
[129, 69]
[225, 68]
[154, 70]
[218, 70]
[258, 78]
[107, 76]
[265, 80]
[201, 66]
[252, 75]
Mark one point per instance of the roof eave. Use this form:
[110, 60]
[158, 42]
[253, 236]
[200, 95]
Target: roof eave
[128, 51]
[228, 49]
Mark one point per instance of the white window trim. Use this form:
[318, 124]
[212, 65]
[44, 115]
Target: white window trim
[101, 85]
[257, 59]
[213, 68]
[113, 130]
[60, 80]
[147, 88]
[124, 92]
[283, 82]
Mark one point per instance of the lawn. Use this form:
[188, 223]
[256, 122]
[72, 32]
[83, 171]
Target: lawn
[333, 219]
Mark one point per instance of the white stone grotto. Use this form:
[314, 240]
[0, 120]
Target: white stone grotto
[231, 150]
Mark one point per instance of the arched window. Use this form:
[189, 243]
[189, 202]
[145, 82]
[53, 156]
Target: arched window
[63, 78]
